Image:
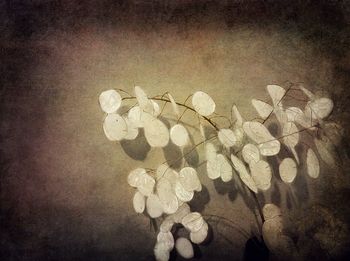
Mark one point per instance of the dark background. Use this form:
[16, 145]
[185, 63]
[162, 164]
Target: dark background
[61, 195]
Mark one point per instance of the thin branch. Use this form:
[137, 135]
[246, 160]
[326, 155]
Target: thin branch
[180, 104]
[182, 114]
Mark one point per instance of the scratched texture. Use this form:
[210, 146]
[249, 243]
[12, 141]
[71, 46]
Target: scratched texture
[63, 185]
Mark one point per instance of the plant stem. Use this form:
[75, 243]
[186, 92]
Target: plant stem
[180, 104]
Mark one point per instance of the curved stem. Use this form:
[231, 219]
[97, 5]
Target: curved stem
[180, 104]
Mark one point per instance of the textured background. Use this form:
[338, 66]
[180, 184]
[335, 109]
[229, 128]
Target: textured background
[63, 186]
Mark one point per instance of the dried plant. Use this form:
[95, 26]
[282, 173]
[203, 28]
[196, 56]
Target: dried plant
[246, 145]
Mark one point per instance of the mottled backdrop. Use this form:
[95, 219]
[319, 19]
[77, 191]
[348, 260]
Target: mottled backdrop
[63, 186]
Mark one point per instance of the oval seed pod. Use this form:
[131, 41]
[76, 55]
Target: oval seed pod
[154, 206]
[145, 184]
[270, 211]
[133, 130]
[312, 163]
[167, 224]
[203, 103]
[264, 109]
[134, 115]
[199, 236]
[250, 153]
[115, 127]
[156, 132]
[321, 108]
[167, 196]
[276, 93]
[189, 179]
[182, 193]
[184, 248]
[167, 239]
[139, 202]
[161, 252]
[110, 101]
[145, 104]
[243, 173]
[174, 105]
[134, 175]
[227, 137]
[257, 132]
[193, 221]
[326, 151]
[288, 170]
[291, 137]
[261, 174]
[179, 135]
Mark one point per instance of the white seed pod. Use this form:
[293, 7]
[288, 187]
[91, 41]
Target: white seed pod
[290, 130]
[288, 170]
[156, 133]
[291, 137]
[167, 224]
[243, 173]
[189, 179]
[133, 130]
[182, 193]
[325, 150]
[154, 206]
[257, 132]
[193, 221]
[293, 113]
[270, 148]
[134, 115]
[134, 176]
[227, 137]
[213, 169]
[203, 103]
[110, 101]
[272, 232]
[145, 104]
[270, 211]
[239, 133]
[115, 127]
[199, 236]
[264, 109]
[280, 114]
[167, 239]
[184, 248]
[237, 115]
[145, 184]
[182, 211]
[225, 168]
[179, 135]
[174, 105]
[321, 108]
[312, 163]
[167, 196]
[210, 151]
[276, 93]
[250, 153]
[161, 252]
[305, 119]
[156, 109]
[139, 202]
[261, 174]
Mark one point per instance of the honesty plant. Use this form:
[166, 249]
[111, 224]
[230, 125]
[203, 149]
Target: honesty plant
[165, 191]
